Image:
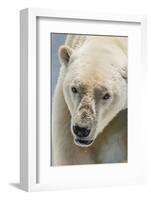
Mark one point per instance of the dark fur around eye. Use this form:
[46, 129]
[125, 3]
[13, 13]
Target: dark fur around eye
[106, 96]
[74, 90]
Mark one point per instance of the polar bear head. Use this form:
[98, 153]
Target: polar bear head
[94, 88]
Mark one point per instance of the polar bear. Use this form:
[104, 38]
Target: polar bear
[89, 114]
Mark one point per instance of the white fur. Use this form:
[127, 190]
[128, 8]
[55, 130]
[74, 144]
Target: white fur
[95, 61]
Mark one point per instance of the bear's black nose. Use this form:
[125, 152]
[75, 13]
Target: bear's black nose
[81, 131]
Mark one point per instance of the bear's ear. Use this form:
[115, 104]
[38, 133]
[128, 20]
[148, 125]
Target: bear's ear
[64, 54]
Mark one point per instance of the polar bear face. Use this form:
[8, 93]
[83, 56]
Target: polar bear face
[94, 89]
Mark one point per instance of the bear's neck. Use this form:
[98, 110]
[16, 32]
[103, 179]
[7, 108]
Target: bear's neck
[61, 115]
[61, 134]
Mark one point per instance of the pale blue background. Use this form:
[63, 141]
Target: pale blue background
[57, 39]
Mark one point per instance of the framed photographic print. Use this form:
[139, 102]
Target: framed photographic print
[81, 79]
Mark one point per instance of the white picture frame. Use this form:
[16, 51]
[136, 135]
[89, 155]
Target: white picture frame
[35, 174]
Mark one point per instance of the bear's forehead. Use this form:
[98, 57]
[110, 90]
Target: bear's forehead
[90, 72]
[89, 77]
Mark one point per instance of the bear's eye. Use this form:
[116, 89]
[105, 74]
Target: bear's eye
[74, 90]
[106, 96]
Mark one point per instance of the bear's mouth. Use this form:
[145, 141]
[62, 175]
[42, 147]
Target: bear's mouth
[81, 142]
